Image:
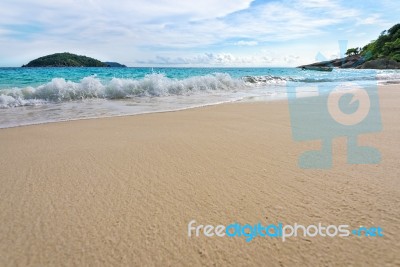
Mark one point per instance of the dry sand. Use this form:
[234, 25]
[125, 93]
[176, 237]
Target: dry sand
[121, 191]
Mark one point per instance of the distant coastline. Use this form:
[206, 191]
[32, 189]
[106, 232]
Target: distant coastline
[356, 62]
[382, 53]
[70, 60]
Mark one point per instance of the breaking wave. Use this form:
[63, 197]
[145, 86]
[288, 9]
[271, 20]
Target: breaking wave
[283, 80]
[159, 85]
[152, 85]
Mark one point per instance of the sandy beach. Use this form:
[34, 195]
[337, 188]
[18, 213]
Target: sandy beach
[121, 191]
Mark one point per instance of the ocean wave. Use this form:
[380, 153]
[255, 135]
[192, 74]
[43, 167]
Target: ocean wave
[275, 80]
[152, 85]
[265, 79]
[389, 76]
[159, 85]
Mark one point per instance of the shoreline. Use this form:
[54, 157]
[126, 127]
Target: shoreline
[244, 100]
[122, 115]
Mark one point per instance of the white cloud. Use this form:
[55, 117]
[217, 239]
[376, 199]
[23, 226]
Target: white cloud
[246, 43]
[374, 19]
[261, 58]
[176, 31]
[290, 58]
[133, 11]
[273, 21]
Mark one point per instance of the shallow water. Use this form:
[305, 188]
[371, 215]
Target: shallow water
[40, 95]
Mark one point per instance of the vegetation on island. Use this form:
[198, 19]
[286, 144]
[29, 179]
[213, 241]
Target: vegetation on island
[69, 60]
[382, 53]
[114, 65]
[353, 51]
[387, 46]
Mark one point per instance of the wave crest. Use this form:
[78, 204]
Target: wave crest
[59, 90]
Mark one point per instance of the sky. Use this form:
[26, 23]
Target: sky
[190, 33]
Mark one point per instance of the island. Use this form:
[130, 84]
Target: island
[382, 53]
[69, 60]
[114, 65]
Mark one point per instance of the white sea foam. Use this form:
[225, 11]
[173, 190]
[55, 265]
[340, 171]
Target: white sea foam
[158, 85]
[388, 75]
[60, 90]
[99, 96]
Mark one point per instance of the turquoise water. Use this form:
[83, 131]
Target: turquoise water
[38, 95]
[24, 77]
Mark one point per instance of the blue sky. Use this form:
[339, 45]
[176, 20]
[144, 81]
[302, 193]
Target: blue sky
[190, 33]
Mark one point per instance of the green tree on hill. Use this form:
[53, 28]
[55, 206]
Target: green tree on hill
[386, 46]
[353, 51]
[65, 60]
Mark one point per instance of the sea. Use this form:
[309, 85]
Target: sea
[43, 95]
